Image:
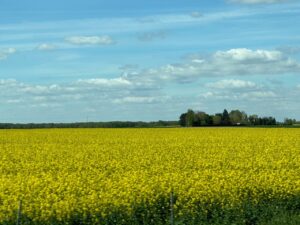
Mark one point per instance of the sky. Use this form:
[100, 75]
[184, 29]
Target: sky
[95, 60]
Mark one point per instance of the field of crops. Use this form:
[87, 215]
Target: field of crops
[149, 176]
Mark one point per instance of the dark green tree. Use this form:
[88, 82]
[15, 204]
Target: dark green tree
[288, 121]
[201, 119]
[253, 120]
[190, 118]
[182, 119]
[217, 119]
[225, 118]
[235, 117]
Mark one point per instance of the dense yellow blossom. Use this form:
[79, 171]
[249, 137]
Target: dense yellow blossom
[94, 174]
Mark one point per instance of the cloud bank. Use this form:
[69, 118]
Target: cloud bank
[154, 87]
[233, 84]
[233, 62]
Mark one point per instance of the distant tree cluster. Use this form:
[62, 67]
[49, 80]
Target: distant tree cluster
[288, 121]
[235, 117]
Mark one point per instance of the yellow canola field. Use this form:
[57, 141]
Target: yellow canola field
[121, 175]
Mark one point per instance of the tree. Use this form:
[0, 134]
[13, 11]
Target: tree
[190, 117]
[201, 119]
[288, 121]
[267, 121]
[236, 117]
[253, 120]
[225, 118]
[244, 118]
[182, 119]
[217, 119]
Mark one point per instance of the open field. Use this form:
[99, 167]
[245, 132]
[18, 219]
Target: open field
[150, 176]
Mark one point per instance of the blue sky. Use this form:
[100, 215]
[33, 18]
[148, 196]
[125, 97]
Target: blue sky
[66, 61]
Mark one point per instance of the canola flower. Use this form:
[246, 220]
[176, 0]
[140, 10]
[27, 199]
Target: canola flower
[125, 176]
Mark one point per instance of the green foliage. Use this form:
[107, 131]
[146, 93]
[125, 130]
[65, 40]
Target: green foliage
[234, 118]
[284, 218]
[190, 118]
[217, 120]
[288, 121]
[237, 117]
[225, 118]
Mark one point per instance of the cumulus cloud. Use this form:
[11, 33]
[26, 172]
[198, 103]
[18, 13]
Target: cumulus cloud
[4, 53]
[14, 87]
[115, 82]
[152, 86]
[46, 47]
[243, 55]
[117, 90]
[239, 90]
[91, 40]
[10, 82]
[138, 99]
[233, 84]
[258, 1]
[234, 62]
[152, 36]
[258, 95]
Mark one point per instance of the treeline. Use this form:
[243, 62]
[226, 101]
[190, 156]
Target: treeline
[233, 118]
[189, 119]
[113, 124]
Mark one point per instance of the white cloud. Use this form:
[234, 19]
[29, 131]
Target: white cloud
[41, 89]
[90, 40]
[234, 62]
[233, 84]
[118, 90]
[235, 90]
[243, 55]
[257, 1]
[207, 94]
[259, 94]
[46, 47]
[136, 99]
[114, 82]
[147, 86]
[4, 53]
[9, 82]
